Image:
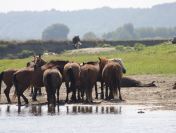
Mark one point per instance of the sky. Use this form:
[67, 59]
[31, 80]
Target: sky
[70, 5]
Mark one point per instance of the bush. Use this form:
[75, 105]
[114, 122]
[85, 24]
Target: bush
[104, 45]
[139, 47]
[129, 49]
[25, 54]
[120, 48]
[90, 36]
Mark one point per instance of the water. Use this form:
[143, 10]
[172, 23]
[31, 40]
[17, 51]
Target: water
[85, 119]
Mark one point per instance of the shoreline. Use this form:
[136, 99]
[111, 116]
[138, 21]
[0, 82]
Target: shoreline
[160, 97]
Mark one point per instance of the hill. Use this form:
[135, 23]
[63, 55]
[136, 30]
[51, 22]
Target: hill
[29, 25]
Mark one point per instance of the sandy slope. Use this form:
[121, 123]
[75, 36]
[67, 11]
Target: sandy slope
[91, 50]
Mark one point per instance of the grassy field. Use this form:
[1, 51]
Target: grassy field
[159, 59]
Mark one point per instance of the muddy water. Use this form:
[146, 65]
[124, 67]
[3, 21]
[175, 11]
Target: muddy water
[85, 119]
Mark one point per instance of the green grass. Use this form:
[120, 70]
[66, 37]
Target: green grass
[159, 59]
[13, 63]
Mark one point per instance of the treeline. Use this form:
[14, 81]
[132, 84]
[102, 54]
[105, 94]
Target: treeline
[59, 32]
[129, 32]
[16, 49]
[26, 25]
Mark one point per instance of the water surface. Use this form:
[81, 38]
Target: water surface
[85, 119]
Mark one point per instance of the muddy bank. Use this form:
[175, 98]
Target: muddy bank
[162, 96]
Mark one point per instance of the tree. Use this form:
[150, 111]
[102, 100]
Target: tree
[55, 32]
[90, 36]
[126, 32]
[129, 28]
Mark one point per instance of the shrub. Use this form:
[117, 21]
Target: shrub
[120, 48]
[104, 45]
[139, 47]
[25, 54]
[129, 49]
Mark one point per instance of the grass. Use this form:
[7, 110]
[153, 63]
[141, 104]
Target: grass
[159, 59]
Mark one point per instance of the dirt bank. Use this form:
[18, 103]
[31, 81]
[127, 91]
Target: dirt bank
[162, 96]
[91, 50]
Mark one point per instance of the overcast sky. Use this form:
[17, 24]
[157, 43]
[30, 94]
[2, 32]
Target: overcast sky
[65, 5]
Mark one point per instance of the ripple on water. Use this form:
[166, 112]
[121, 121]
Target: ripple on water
[85, 118]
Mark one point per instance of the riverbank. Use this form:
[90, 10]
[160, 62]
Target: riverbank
[161, 97]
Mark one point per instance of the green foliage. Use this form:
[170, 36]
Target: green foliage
[159, 59]
[105, 45]
[139, 46]
[120, 48]
[55, 32]
[2, 46]
[25, 54]
[128, 32]
[13, 63]
[123, 49]
[90, 36]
